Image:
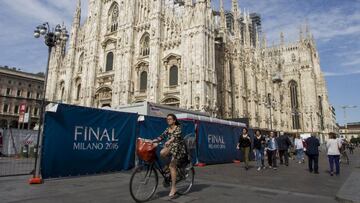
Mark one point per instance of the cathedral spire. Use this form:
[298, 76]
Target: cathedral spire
[235, 12]
[77, 14]
[246, 30]
[307, 30]
[301, 37]
[221, 3]
[222, 15]
[257, 39]
[75, 25]
[208, 3]
[263, 40]
[188, 2]
[234, 7]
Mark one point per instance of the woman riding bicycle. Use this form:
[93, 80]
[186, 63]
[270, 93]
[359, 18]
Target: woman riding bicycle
[174, 147]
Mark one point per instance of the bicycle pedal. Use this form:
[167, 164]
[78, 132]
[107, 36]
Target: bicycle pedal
[166, 184]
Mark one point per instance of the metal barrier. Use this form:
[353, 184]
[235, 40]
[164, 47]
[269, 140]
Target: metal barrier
[17, 152]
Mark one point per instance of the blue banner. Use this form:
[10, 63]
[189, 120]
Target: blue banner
[152, 127]
[81, 141]
[217, 143]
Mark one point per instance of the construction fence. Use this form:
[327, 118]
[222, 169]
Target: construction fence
[17, 151]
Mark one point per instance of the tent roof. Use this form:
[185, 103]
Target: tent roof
[185, 116]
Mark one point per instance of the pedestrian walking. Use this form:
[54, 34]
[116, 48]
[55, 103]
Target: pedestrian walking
[283, 143]
[259, 147]
[244, 145]
[351, 148]
[299, 149]
[333, 151]
[271, 149]
[312, 151]
[292, 152]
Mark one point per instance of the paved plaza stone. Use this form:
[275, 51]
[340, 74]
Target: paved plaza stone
[214, 183]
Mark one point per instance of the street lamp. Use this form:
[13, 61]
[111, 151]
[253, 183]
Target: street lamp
[52, 38]
[269, 102]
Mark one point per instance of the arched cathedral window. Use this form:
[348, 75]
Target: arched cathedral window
[321, 115]
[173, 79]
[145, 45]
[114, 15]
[109, 61]
[294, 104]
[62, 90]
[81, 62]
[143, 81]
[78, 91]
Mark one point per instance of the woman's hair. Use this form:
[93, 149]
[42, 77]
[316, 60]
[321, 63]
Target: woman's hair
[247, 131]
[257, 131]
[332, 135]
[174, 118]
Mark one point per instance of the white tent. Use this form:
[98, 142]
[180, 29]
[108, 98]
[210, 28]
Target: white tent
[185, 116]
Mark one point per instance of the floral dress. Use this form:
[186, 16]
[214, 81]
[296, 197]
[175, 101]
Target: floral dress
[177, 147]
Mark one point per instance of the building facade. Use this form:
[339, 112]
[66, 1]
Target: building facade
[350, 130]
[184, 53]
[19, 89]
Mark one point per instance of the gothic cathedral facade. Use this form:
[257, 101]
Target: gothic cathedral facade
[186, 54]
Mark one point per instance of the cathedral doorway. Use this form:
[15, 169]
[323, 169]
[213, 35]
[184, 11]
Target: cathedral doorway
[103, 97]
[171, 102]
[106, 105]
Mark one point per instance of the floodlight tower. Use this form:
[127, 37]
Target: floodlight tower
[345, 107]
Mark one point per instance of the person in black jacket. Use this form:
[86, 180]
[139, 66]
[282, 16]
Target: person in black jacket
[259, 147]
[284, 143]
[312, 151]
[245, 145]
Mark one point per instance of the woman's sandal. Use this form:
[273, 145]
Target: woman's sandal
[172, 196]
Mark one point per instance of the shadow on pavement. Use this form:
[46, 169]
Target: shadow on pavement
[195, 188]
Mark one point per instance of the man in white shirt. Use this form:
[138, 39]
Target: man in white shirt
[299, 148]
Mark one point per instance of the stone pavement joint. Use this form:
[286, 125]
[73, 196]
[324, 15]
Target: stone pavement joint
[350, 190]
[181, 199]
[266, 191]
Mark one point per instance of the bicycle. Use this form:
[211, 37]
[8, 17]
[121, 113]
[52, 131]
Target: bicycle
[344, 158]
[146, 177]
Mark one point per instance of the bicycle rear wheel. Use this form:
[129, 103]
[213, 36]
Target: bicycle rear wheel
[143, 183]
[186, 179]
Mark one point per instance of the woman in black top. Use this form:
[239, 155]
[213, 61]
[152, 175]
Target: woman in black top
[259, 146]
[244, 145]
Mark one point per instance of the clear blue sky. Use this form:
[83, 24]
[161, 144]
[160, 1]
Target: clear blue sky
[334, 23]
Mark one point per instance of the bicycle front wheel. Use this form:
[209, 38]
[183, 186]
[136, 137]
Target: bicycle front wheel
[143, 183]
